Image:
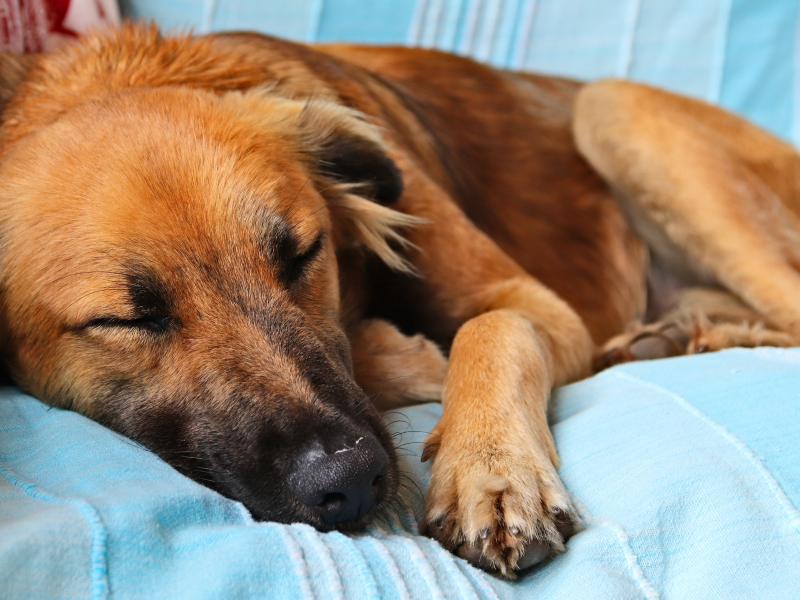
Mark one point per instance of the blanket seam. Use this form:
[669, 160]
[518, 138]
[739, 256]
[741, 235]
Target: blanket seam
[98, 559]
[390, 563]
[298, 560]
[423, 568]
[454, 565]
[365, 573]
[315, 542]
[792, 514]
[631, 559]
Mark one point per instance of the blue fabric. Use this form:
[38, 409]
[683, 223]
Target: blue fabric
[743, 54]
[686, 472]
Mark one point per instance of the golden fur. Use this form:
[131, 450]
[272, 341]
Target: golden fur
[202, 237]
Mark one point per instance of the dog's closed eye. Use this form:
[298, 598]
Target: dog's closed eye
[155, 324]
[297, 266]
[150, 306]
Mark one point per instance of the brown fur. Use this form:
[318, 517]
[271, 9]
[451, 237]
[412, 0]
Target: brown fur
[201, 235]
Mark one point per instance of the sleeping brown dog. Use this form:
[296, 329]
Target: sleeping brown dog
[230, 248]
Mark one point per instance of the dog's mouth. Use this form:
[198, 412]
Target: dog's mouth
[333, 467]
[343, 486]
[331, 487]
[338, 478]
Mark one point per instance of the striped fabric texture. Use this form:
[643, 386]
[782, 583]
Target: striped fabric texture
[686, 473]
[743, 54]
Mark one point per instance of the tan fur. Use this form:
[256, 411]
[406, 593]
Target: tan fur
[703, 320]
[393, 369]
[218, 198]
[532, 212]
[694, 190]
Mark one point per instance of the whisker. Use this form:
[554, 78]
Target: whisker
[395, 422]
[417, 495]
[327, 203]
[113, 289]
[87, 273]
[286, 212]
[406, 452]
[405, 446]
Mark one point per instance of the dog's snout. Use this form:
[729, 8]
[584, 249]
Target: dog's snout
[343, 485]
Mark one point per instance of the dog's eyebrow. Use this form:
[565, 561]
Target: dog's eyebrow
[280, 243]
[148, 293]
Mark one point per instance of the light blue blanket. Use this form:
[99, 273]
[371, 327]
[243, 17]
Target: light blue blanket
[686, 472]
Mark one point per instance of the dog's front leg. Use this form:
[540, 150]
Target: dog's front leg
[495, 496]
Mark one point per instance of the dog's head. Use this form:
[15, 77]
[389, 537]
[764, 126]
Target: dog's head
[169, 269]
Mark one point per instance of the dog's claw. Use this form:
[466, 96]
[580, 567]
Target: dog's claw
[473, 553]
[440, 523]
[474, 523]
[565, 524]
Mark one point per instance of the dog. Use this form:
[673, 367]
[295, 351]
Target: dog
[235, 250]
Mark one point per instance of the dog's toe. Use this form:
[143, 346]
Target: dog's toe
[533, 553]
[508, 548]
[500, 525]
[649, 342]
[474, 554]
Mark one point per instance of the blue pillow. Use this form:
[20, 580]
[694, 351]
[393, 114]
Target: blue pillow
[686, 472]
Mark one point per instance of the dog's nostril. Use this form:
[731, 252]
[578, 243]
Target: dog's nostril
[332, 503]
[344, 485]
[333, 499]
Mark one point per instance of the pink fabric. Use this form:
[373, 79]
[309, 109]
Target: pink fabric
[38, 25]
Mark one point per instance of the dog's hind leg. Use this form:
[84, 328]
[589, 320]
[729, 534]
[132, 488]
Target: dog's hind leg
[394, 369]
[715, 198]
[703, 320]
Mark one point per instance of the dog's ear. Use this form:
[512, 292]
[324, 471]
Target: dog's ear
[347, 158]
[345, 148]
[353, 167]
[13, 68]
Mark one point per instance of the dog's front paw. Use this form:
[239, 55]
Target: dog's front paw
[502, 510]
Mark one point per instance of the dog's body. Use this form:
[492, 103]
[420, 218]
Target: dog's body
[198, 250]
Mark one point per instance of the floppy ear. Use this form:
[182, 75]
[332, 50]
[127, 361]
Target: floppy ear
[13, 68]
[352, 165]
[345, 148]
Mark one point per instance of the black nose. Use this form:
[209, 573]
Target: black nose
[342, 485]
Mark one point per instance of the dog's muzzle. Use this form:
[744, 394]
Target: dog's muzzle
[342, 485]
